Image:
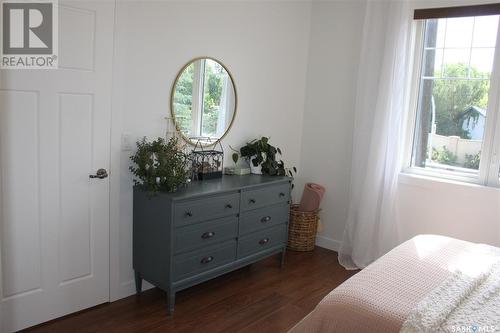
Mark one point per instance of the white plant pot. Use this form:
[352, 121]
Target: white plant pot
[255, 170]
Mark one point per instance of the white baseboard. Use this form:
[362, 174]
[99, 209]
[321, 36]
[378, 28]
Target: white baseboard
[328, 243]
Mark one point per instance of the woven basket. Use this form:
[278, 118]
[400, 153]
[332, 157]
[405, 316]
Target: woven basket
[302, 229]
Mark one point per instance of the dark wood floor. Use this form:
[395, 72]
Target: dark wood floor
[259, 298]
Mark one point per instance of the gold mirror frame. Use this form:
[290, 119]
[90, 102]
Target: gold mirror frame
[172, 91]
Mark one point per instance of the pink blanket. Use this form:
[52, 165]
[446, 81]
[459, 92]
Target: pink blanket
[380, 297]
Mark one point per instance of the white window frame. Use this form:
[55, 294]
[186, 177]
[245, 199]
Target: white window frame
[489, 169]
[197, 100]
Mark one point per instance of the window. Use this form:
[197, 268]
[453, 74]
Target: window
[455, 98]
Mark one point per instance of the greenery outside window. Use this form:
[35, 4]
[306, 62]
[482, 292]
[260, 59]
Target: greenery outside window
[455, 97]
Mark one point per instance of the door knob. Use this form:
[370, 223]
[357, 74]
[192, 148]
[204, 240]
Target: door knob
[101, 174]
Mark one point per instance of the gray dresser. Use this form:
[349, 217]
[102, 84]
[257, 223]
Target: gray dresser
[207, 229]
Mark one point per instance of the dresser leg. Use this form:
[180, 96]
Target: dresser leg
[283, 257]
[138, 282]
[171, 302]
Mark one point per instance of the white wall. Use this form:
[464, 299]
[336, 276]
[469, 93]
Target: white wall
[464, 211]
[263, 44]
[335, 42]
[295, 67]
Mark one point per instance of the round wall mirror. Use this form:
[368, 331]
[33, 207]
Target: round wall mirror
[203, 101]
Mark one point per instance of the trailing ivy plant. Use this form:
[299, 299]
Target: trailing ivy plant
[261, 152]
[160, 165]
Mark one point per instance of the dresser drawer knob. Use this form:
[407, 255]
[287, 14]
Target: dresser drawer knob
[264, 241]
[265, 219]
[189, 214]
[252, 201]
[206, 260]
[282, 195]
[209, 234]
[229, 206]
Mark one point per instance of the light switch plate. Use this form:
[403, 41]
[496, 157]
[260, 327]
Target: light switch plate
[126, 142]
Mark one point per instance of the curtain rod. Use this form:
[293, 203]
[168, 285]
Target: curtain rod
[459, 11]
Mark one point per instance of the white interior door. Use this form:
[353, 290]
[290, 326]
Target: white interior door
[54, 133]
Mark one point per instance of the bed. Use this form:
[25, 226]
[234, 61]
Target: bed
[412, 289]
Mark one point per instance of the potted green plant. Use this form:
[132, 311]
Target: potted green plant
[160, 165]
[264, 158]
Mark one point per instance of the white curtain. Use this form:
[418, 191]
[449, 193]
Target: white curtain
[371, 228]
[226, 107]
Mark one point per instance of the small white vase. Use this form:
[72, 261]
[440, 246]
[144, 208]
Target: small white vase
[255, 170]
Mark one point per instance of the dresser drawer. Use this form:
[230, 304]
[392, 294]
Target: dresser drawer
[262, 240]
[192, 263]
[254, 220]
[205, 234]
[198, 210]
[265, 196]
